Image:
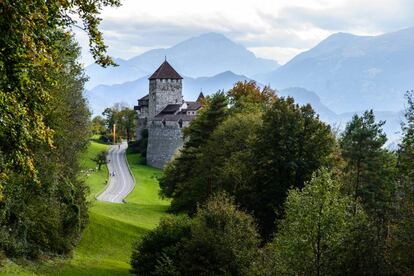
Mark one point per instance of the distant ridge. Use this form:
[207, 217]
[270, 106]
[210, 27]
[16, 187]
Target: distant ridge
[352, 72]
[205, 55]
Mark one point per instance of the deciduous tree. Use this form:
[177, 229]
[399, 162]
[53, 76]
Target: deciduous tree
[318, 219]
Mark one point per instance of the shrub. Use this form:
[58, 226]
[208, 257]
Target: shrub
[220, 239]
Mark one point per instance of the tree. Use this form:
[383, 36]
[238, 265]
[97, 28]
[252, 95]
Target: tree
[127, 122]
[257, 152]
[123, 117]
[223, 240]
[98, 125]
[220, 239]
[47, 216]
[100, 159]
[29, 62]
[176, 179]
[401, 240]
[370, 179]
[289, 147]
[317, 220]
[160, 246]
[362, 148]
[247, 93]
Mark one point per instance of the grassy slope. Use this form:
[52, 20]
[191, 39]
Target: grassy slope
[105, 247]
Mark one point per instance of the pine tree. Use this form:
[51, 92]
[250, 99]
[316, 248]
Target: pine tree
[402, 230]
[370, 180]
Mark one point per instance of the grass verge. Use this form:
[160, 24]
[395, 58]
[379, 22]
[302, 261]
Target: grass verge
[107, 241]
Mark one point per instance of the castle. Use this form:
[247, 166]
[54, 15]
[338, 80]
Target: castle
[164, 113]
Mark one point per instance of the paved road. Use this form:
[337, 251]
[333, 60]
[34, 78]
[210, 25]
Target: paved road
[122, 183]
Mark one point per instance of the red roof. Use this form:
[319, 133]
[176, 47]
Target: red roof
[165, 71]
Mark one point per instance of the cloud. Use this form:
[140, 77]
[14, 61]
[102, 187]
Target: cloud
[353, 16]
[293, 25]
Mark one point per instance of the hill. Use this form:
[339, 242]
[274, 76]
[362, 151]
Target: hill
[302, 96]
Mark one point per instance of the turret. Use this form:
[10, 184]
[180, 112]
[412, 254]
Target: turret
[165, 87]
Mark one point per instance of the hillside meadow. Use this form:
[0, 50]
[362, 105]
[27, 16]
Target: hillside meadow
[105, 247]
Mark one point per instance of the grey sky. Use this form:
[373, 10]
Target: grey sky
[275, 29]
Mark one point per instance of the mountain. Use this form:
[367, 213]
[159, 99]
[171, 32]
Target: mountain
[392, 119]
[352, 72]
[104, 96]
[303, 97]
[206, 55]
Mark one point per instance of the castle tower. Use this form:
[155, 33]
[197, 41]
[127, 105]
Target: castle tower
[165, 87]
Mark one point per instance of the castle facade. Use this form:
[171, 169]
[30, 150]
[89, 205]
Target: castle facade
[164, 113]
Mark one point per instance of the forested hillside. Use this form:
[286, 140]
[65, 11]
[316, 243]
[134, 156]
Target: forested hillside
[44, 124]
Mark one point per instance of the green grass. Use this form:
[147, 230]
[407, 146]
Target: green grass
[105, 247]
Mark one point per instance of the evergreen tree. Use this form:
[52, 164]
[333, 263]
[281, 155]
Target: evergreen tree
[401, 240]
[369, 179]
[406, 147]
[177, 180]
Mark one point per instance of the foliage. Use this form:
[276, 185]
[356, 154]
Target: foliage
[220, 239]
[362, 147]
[248, 93]
[159, 245]
[318, 218]
[179, 171]
[291, 144]
[48, 215]
[406, 147]
[142, 144]
[29, 61]
[100, 159]
[98, 125]
[124, 118]
[401, 241]
[369, 178]
[262, 147]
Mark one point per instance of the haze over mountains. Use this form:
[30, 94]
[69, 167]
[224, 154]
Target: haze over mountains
[206, 55]
[352, 72]
[343, 74]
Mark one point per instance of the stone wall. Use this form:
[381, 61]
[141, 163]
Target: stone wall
[141, 124]
[163, 143]
[163, 92]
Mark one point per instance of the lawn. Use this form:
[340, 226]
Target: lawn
[105, 247]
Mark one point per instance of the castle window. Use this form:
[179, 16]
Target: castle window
[180, 123]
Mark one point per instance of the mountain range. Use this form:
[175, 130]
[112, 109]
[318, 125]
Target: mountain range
[206, 55]
[352, 72]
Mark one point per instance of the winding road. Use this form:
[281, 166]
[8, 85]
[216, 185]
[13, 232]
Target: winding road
[122, 183]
